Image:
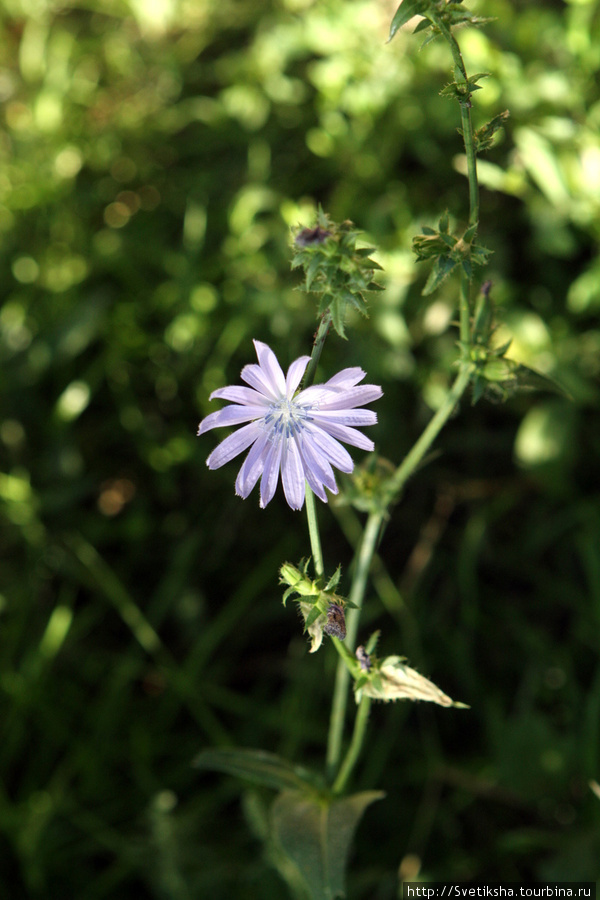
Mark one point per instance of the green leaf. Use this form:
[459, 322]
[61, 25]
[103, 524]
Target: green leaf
[406, 10]
[484, 136]
[422, 26]
[514, 376]
[470, 232]
[312, 270]
[338, 310]
[259, 767]
[316, 833]
[441, 269]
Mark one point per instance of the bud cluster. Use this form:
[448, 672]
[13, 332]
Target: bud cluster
[321, 608]
[335, 269]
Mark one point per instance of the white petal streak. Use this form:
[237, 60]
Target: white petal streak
[230, 415]
[233, 445]
[292, 474]
[268, 363]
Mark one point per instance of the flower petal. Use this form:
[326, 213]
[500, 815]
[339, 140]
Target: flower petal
[294, 375]
[356, 396]
[230, 415]
[316, 465]
[233, 445]
[258, 379]
[316, 486]
[333, 451]
[347, 435]
[270, 366]
[292, 474]
[346, 378]
[245, 396]
[252, 467]
[268, 482]
[357, 418]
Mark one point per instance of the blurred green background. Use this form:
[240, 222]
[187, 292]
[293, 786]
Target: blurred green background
[153, 156]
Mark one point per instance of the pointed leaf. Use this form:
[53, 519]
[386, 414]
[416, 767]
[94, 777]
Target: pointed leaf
[338, 310]
[442, 268]
[259, 767]
[316, 833]
[406, 10]
[400, 682]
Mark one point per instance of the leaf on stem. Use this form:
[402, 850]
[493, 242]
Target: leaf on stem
[335, 269]
[405, 12]
[448, 251]
[258, 767]
[316, 834]
[484, 137]
[391, 679]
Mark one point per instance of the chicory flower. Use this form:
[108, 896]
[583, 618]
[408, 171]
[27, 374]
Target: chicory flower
[295, 434]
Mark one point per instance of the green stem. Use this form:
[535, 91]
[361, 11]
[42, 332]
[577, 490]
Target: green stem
[414, 457]
[465, 314]
[358, 736]
[313, 531]
[363, 559]
[364, 556]
[318, 344]
[460, 73]
[311, 512]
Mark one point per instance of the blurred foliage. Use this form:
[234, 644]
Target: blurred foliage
[153, 156]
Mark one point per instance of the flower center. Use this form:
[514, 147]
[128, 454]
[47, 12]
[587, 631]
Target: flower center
[285, 418]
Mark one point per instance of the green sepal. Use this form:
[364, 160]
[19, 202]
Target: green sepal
[478, 388]
[470, 232]
[442, 267]
[337, 309]
[334, 580]
[484, 136]
[373, 641]
[312, 616]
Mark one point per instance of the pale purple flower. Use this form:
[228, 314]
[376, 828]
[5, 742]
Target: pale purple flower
[298, 436]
